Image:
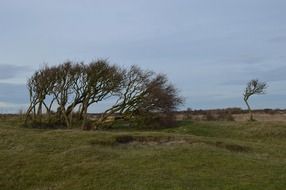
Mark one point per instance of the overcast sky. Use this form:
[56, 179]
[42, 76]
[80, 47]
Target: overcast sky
[208, 48]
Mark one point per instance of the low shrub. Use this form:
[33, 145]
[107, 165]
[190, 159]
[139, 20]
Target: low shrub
[225, 116]
[154, 120]
[222, 115]
[210, 116]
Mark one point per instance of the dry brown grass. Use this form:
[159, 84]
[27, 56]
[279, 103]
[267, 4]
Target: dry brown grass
[261, 117]
[277, 117]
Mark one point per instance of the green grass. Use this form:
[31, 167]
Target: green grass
[194, 155]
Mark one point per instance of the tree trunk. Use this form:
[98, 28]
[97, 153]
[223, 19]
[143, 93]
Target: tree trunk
[67, 120]
[39, 112]
[249, 110]
[48, 112]
[84, 114]
[28, 112]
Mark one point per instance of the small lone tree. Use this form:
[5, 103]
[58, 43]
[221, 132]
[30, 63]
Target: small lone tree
[253, 87]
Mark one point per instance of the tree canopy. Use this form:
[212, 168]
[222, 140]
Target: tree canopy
[59, 94]
[253, 87]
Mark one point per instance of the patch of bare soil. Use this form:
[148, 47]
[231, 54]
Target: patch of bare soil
[232, 147]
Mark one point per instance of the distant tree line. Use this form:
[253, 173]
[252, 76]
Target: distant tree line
[63, 94]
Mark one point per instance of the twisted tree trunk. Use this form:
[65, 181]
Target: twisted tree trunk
[249, 110]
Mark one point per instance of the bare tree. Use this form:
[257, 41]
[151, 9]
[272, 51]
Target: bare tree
[161, 96]
[144, 94]
[103, 80]
[38, 90]
[57, 91]
[31, 85]
[253, 87]
[158, 104]
[131, 93]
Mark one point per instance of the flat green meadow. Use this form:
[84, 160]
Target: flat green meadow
[194, 155]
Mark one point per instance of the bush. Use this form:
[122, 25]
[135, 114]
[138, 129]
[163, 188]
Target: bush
[52, 122]
[209, 116]
[154, 120]
[88, 126]
[220, 115]
[225, 116]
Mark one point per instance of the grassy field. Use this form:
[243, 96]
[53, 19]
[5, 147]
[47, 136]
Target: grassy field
[194, 155]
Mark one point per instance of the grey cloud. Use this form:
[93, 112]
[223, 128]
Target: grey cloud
[10, 71]
[278, 39]
[13, 93]
[246, 59]
[277, 74]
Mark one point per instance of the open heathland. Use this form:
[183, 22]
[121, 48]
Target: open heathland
[193, 155]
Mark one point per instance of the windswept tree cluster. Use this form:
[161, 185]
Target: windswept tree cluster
[64, 93]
